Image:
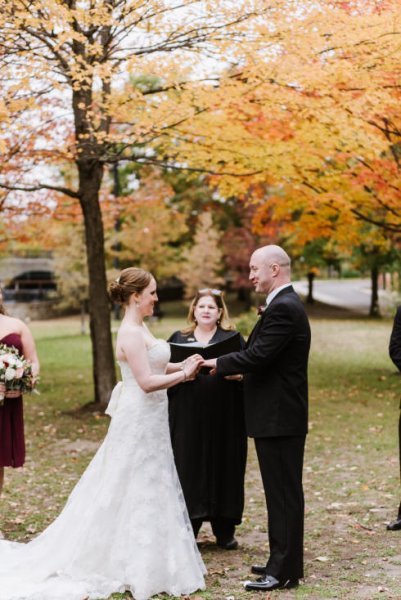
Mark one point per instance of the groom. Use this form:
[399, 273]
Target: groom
[274, 364]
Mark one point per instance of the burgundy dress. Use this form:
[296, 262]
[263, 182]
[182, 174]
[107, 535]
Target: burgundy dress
[12, 440]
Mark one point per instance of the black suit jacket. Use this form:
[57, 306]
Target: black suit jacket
[395, 340]
[395, 346]
[274, 365]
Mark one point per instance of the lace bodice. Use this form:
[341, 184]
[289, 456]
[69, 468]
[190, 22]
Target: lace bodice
[158, 354]
[129, 397]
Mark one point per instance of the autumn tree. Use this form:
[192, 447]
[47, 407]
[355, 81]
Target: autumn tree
[239, 241]
[70, 268]
[69, 96]
[326, 113]
[203, 261]
[331, 97]
[149, 226]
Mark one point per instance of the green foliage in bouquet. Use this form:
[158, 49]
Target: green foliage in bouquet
[15, 370]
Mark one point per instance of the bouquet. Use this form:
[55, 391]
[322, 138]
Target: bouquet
[15, 372]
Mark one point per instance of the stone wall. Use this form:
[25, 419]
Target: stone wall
[13, 266]
[32, 311]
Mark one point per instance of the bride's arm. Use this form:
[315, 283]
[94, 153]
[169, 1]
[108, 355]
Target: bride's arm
[132, 343]
[174, 367]
[179, 366]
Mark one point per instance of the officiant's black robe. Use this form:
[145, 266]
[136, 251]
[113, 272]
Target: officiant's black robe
[209, 441]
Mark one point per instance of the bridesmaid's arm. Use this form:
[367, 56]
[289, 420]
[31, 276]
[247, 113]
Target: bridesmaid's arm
[29, 348]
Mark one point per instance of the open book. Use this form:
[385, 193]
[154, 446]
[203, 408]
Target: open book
[180, 352]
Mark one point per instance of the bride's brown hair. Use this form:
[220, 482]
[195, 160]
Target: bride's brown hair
[130, 280]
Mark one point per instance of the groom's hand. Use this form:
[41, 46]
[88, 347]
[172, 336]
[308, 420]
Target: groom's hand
[238, 377]
[210, 364]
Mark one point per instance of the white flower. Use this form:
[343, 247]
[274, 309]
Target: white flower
[9, 374]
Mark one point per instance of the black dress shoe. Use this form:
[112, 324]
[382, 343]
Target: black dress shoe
[268, 583]
[258, 569]
[230, 544]
[394, 525]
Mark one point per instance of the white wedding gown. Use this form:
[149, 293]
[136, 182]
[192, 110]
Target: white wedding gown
[125, 525]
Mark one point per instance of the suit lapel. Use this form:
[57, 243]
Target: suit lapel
[255, 329]
[258, 323]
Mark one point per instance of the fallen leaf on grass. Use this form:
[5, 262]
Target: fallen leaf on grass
[322, 558]
[31, 529]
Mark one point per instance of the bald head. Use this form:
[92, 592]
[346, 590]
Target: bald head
[270, 267]
[275, 254]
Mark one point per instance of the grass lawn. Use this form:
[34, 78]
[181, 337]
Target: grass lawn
[351, 467]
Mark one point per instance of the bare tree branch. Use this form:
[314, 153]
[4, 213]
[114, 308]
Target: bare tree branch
[40, 186]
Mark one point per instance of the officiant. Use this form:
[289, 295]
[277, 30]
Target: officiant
[207, 426]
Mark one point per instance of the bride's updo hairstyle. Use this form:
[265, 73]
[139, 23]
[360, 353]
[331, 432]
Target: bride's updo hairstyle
[131, 280]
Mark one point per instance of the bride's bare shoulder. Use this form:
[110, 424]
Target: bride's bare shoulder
[130, 330]
[129, 338]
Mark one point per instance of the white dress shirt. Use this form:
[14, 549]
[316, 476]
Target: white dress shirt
[274, 293]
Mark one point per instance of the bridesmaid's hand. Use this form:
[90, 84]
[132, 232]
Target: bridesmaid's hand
[12, 394]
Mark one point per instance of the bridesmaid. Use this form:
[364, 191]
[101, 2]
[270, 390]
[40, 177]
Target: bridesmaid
[13, 332]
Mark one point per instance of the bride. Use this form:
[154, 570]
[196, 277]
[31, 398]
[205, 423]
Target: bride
[125, 526]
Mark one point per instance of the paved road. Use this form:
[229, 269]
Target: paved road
[353, 294]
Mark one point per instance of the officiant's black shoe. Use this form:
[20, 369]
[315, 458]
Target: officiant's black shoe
[227, 544]
[267, 583]
[394, 525]
[258, 570]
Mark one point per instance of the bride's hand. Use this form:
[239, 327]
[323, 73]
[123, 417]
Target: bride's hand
[191, 366]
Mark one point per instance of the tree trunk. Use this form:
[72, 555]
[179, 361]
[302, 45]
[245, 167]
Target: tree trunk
[309, 298]
[90, 177]
[374, 299]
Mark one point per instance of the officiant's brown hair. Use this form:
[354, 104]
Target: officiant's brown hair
[129, 281]
[217, 295]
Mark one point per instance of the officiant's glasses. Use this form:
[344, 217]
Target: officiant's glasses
[210, 291]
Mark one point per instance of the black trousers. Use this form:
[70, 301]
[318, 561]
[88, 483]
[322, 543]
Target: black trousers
[399, 443]
[222, 528]
[281, 464]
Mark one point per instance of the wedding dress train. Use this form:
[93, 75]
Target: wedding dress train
[125, 526]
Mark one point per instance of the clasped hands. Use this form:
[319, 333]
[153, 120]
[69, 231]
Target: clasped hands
[192, 365]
